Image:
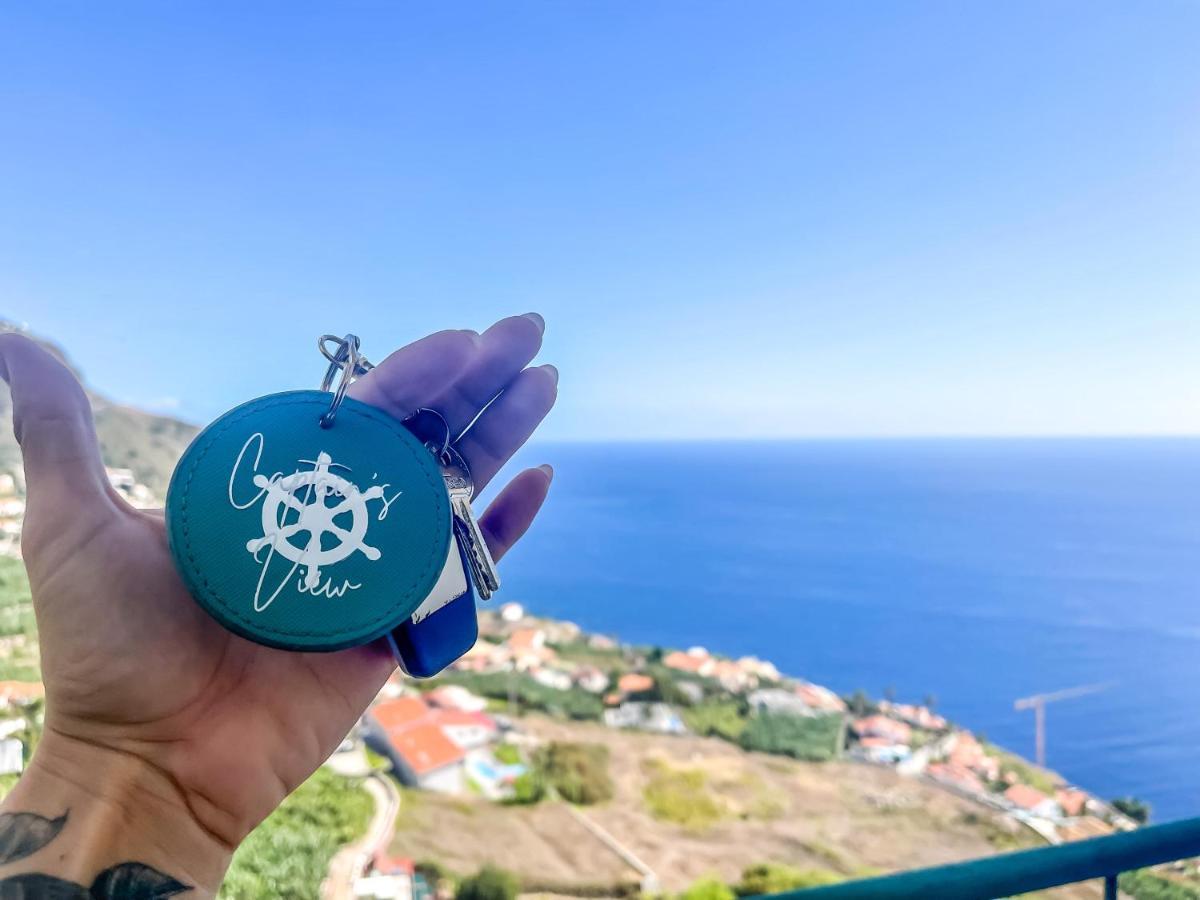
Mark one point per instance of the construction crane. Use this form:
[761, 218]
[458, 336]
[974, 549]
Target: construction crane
[1038, 704]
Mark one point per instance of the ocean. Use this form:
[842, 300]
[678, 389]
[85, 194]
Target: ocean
[978, 571]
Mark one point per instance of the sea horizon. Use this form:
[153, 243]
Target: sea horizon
[978, 570]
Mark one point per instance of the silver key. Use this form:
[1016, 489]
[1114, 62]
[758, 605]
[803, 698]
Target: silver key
[466, 526]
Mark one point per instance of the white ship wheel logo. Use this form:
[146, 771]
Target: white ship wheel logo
[305, 493]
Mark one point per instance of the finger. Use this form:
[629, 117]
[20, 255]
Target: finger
[505, 349]
[52, 420]
[358, 673]
[509, 516]
[508, 422]
[414, 375]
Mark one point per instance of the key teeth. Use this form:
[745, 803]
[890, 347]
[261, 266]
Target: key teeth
[483, 569]
[466, 530]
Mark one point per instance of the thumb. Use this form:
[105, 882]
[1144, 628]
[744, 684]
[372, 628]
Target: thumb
[52, 420]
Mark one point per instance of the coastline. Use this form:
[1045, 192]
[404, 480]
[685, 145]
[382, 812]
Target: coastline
[672, 691]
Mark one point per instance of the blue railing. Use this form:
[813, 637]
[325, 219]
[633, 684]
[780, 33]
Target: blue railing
[1027, 870]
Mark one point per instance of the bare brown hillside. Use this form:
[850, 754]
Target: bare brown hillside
[845, 817]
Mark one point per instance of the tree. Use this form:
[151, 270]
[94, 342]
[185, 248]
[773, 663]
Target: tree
[288, 854]
[812, 738]
[859, 703]
[489, 883]
[775, 878]
[528, 788]
[722, 719]
[708, 889]
[930, 701]
[578, 772]
[1136, 809]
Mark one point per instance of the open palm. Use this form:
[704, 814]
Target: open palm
[134, 666]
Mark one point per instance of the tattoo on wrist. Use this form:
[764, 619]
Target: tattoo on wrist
[22, 834]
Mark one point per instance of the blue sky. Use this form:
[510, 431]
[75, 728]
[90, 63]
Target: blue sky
[740, 219]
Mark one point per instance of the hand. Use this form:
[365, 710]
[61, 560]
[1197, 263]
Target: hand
[150, 704]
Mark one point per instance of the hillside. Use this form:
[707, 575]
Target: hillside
[843, 817]
[145, 443]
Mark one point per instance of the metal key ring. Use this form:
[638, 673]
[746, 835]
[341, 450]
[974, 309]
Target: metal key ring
[440, 449]
[347, 360]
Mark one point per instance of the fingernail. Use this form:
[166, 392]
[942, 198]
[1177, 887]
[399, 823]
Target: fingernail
[549, 470]
[553, 373]
[536, 320]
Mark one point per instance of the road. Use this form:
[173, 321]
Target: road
[351, 861]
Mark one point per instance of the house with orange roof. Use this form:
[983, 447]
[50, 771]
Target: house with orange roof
[455, 696]
[881, 750]
[878, 726]
[695, 662]
[759, 668]
[967, 752]
[468, 730]
[427, 746]
[1072, 800]
[474, 660]
[425, 757]
[634, 683]
[1031, 800]
[956, 776]
[21, 693]
[400, 712]
[387, 876]
[819, 698]
[524, 640]
[920, 716]
[732, 677]
[527, 647]
[590, 679]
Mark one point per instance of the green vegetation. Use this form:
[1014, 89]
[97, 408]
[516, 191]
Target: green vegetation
[708, 889]
[377, 761]
[774, 878]
[1147, 885]
[16, 602]
[528, 788]
[288, 855]
[717, 718]
[681, 796]
[508, 754]
[607, 659]
[667, 685]
[18, 629]
[576, 772]
[1136, 809]
[439, 878]
[860, 704]
[831, 856]
[489, 883]
[1026, 773]
[412, 800]
[814, 739]
[574, 703]
[749, 797]
[1001, 838]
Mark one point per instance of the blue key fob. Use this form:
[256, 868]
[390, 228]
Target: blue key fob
[444, 627]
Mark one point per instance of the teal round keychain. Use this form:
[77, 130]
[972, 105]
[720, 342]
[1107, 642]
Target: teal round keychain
[307, 520]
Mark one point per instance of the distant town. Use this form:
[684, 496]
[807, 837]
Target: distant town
[461, 733]
[12, 504]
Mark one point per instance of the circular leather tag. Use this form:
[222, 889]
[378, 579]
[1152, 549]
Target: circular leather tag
[303, 537]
